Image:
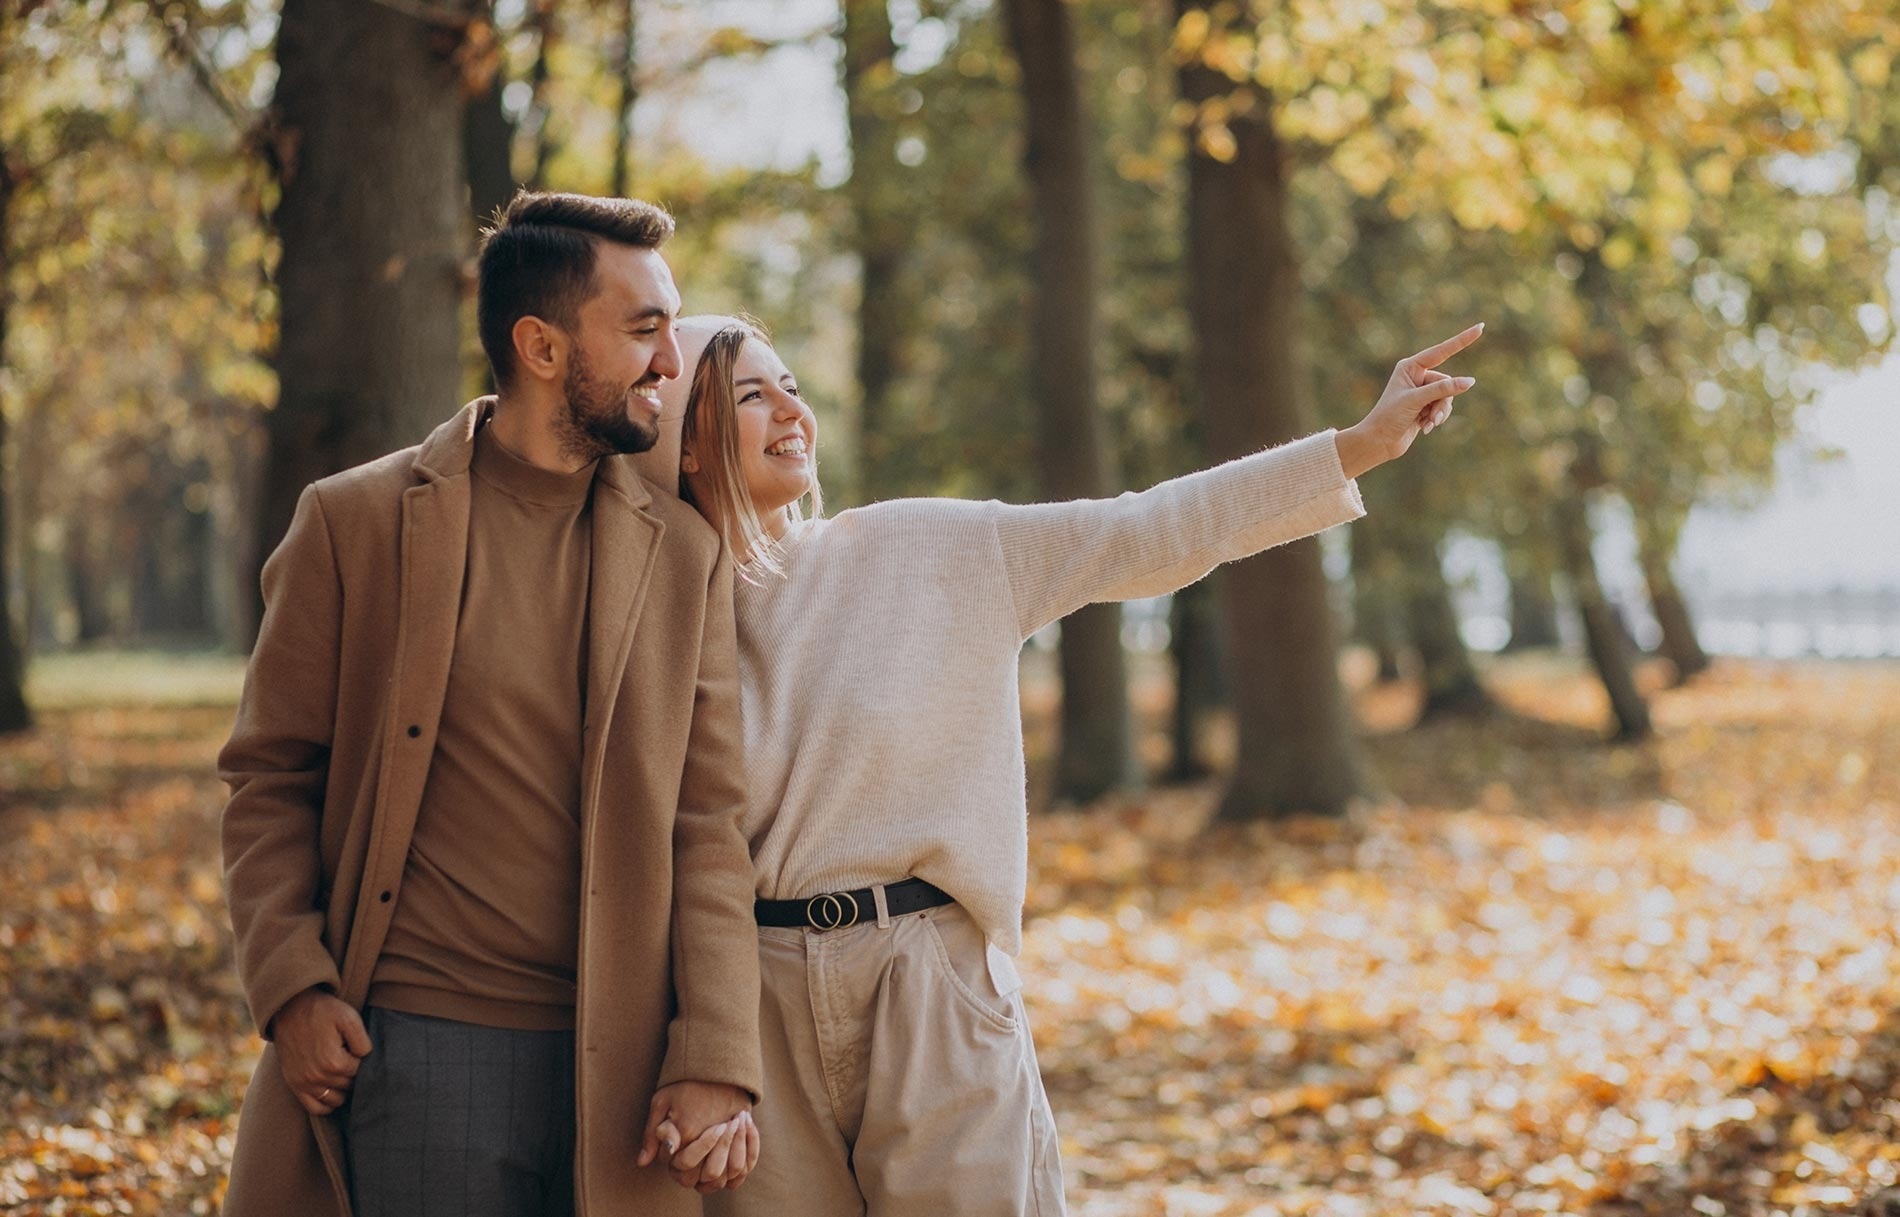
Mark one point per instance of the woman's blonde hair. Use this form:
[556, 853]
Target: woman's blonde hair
[710, 431]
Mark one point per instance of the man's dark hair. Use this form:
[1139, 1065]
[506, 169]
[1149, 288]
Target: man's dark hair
[537, 260]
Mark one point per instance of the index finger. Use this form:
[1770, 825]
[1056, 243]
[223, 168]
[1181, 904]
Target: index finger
[1432, 356]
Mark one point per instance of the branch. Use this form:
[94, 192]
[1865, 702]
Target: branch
[181, 37]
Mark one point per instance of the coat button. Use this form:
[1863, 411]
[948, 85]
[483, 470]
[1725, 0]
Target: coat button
[384, 897]
[414, 731]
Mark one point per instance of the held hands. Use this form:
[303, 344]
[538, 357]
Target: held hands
[320, 1041]
[1416, 399]
[707, 1131]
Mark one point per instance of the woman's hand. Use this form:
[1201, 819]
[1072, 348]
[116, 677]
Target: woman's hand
[1416, 399]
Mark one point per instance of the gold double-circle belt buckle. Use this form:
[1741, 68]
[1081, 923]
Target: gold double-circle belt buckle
[829, 911]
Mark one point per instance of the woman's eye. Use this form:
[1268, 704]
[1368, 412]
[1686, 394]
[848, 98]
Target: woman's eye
[751, 394]
[793, 390]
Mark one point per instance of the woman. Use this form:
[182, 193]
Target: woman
[878, 659]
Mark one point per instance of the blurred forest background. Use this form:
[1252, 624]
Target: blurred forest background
[1039, 249]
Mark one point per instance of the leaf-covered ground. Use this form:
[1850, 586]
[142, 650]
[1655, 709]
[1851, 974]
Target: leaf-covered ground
[1561, 977]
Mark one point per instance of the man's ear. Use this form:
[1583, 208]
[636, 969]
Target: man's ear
[540, 349]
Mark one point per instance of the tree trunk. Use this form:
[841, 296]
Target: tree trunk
[369, 142]
[1194, 646]
[14, 715]
[1376, 619]
[546, 32]
[1095, 755]
[1603, 633]
[1533, 609]
[488, 152]
[1299, 751]
[881, 236]
[1679, 642]
[629, 92]
[1452, 687]
[92, 618]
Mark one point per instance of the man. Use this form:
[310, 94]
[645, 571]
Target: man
[484, 785]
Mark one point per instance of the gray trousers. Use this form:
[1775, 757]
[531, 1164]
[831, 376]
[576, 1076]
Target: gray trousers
[451, 1119]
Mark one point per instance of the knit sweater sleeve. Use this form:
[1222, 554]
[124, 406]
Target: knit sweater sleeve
[1060, 556]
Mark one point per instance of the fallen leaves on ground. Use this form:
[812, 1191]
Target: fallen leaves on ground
[1563, 977]
[1566, 978]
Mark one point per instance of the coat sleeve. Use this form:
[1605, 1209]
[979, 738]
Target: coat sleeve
[714, 1035]
[1058, 557]
[276, 764]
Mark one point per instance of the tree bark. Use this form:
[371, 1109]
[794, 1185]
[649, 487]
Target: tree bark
[621, 180]
[1533, 610]
[1299, 750]
[1604, 635]
[881, 236]
[1679, 642]
[1096, 755]
[1194, 646]
[1376, 619]
[546, 31]
[488, 152]
[14, 714]
[368, 117]
[1452, 687]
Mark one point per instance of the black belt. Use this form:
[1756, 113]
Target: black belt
[836, 910]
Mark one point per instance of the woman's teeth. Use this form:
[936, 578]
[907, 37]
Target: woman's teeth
[787, 447]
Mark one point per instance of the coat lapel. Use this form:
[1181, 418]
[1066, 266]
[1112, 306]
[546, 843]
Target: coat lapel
[626, 540]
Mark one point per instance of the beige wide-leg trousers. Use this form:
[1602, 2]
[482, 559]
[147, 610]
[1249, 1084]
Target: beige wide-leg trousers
[900, 1080]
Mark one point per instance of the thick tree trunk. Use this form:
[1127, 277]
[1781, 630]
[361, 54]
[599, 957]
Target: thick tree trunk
[881, 236]
[369, 114]
[1096, 755]
[1604, 635]
[1194, 646]
[14, 715]
[1299, 751]
[1533, 609]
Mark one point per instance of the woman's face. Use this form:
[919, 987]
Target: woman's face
[778, 436]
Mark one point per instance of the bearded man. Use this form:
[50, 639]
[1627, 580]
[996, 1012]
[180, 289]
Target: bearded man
[493, 907]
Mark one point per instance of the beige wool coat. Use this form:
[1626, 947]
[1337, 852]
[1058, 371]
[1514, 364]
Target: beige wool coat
[326, 767]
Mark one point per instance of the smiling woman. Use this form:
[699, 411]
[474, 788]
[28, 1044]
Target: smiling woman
[751, 452]
[878, 657]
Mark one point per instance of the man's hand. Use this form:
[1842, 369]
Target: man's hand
[1415, 400]
[680, 1113]
[320, 1040]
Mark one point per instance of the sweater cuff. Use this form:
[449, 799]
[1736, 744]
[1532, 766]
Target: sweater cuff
[705, 1056]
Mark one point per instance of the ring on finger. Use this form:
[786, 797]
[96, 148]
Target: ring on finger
[325, 1096]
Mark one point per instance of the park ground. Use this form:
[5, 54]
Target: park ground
[1544, 975]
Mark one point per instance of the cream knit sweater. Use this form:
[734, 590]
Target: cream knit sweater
[882, 723]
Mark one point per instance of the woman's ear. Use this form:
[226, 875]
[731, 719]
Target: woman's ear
[689, 463]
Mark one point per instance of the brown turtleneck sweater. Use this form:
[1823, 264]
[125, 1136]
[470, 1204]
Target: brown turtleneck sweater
[487, 922]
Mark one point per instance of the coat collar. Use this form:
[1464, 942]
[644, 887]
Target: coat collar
[451, 447]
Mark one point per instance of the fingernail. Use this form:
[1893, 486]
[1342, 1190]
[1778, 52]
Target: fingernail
[1481, 327]
[1467, 381]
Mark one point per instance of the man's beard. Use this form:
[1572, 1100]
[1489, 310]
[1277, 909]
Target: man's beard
[596, 422]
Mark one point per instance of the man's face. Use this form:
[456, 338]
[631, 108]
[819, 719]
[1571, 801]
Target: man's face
[624, 346]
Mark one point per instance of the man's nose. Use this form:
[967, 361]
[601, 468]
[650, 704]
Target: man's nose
[666, 361]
